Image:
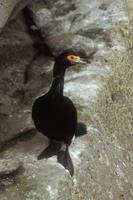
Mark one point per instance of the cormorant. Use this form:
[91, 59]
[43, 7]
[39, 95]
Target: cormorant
[55, 115]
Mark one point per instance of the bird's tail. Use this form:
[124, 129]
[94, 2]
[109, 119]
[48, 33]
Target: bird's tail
[81, 129]
[64, 159]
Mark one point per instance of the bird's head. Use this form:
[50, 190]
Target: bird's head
[69, 58]
[66, 59]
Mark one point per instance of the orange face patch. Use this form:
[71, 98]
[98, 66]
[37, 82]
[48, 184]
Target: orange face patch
[73, 57]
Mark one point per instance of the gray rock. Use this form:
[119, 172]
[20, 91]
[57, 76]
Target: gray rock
[103, 162]
[9, 168]
[59, 43]
[9, 9]
[8, 165]
[16, 97]
[56, 26]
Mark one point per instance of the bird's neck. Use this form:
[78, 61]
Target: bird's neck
[58, 79]
[57, 85]
[59, 70]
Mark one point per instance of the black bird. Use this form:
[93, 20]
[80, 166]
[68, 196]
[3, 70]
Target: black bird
[55, 115]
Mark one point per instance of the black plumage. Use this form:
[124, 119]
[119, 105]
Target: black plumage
[55, 115]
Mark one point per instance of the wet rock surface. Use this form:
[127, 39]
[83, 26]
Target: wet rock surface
[103, 162]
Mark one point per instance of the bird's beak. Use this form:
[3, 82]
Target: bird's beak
[80, 60]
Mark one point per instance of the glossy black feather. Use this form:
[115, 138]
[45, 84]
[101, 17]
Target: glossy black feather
[56, 117]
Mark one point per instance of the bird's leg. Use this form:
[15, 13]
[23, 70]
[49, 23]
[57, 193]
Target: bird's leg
[63, 157]
[81, 129]
[52, 150]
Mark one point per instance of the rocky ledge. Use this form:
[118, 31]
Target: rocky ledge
[102, 158]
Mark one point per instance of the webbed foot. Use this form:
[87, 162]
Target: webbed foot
[51, 150]
[65, 160]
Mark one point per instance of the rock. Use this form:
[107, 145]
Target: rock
[102, 159]
[31, 182]
[10, 8]
[16, 97]
[57, 32]
[10, 168]
[75, 24]
[19, 5]
[59, 43]
[6, 8]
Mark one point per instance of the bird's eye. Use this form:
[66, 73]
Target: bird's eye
[72, 57]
